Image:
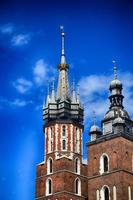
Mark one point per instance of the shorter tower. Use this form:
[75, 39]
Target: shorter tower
[62, 175]
[110, 156]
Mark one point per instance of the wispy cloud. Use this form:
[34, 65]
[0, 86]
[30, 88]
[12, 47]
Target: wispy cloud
[16, 37]
[20, 103]
[4, 102]
[20, 39]
[22, 85]
[7, 29]
[95, 92]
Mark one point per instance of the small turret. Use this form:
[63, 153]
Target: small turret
[48, 97]
[74, 99]
[95, 131]
[53, 94]
[78, 94]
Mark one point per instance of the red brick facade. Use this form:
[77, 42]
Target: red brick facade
[63, 175]
[120, 173]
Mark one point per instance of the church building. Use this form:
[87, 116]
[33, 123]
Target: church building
[108, 174]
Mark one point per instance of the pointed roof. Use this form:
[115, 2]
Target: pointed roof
[115, 83]
[63, 83]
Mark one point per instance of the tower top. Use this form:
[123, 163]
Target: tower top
[63, 105]
[63, 64]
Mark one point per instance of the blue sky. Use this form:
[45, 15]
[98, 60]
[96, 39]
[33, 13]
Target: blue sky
[96, 33]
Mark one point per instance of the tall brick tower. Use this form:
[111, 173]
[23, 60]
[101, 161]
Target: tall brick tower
[110, 155]
[62, 176]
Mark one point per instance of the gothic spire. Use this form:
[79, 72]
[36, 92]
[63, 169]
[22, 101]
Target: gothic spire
[63, 84]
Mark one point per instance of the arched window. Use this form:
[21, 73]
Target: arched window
[105, 193]
[78, 186]
[49, 165]
[77, 165]
[104, 163]
[48, 186]
[63, 138]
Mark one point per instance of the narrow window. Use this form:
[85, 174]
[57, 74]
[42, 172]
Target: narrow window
[78, 187]
[106, 193]
[49, 166]
[105, 161]
[64, 144]
[77, 165]
[104, 164]
[48, 186]
[64, 138]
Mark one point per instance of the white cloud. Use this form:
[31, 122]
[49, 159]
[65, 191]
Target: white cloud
[7, 29]
[20, 39]
[42, 72]
[22, 85]
[95, 92]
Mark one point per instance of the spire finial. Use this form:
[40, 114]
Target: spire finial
[115, 69]
[94, 117]
[62, 40]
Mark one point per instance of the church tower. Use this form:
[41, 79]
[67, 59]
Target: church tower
[62, 175]
[110, 155]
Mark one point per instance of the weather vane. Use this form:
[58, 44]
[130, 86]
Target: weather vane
[115, 69]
